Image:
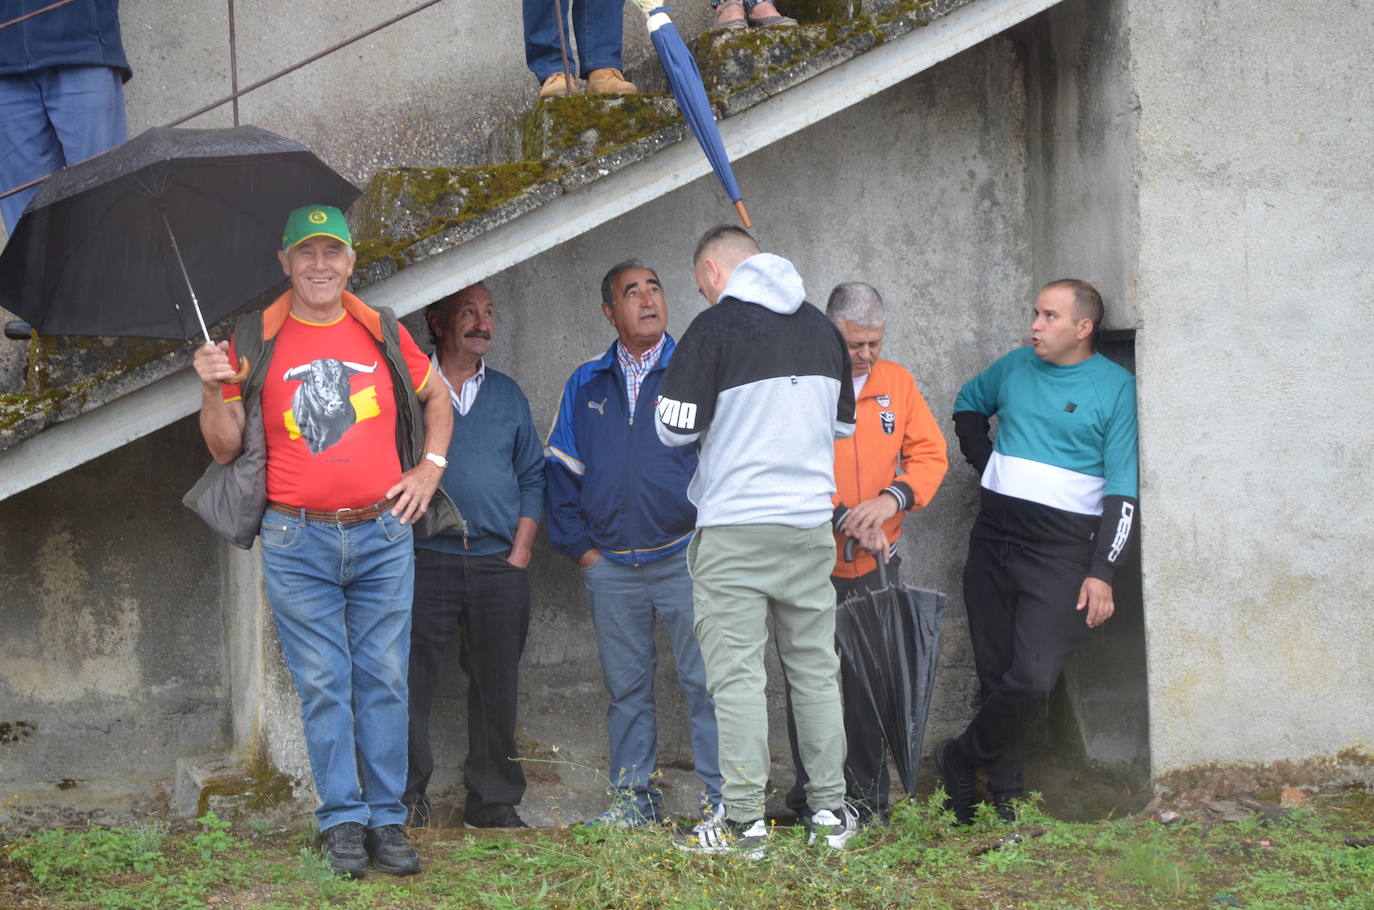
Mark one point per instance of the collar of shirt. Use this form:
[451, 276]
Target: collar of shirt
[647, 359]
[462, 399]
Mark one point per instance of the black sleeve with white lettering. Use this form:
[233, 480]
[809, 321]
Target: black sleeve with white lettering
[972, 429]
[1116, 533]
[687, 397]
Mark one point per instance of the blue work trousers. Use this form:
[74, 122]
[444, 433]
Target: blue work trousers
[51, 118]
[341, 595]
[596, 24]
[624, 600]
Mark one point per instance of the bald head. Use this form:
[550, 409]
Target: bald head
[718, 253]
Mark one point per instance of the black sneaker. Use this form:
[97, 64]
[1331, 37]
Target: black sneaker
[389, 851]
[960, 777]
[344, 847]
[494, 817]
[1004, 804]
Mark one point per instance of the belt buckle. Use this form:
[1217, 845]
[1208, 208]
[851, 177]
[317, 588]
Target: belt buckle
[339, 515]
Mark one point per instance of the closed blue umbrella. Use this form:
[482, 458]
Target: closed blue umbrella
[685, 79]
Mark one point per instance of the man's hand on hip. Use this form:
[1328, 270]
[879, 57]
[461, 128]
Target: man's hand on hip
[589, 558]
[1096, 597]
[414, 491]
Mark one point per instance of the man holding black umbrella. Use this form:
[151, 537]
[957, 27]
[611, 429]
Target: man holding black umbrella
[1059, 490]
[337, 533]
[893, 464]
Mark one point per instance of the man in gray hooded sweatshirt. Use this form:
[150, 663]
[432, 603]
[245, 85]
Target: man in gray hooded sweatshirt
[761, 378]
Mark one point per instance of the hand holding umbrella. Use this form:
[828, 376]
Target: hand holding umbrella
[690, 93]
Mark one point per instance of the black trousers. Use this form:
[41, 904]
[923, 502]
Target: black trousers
[486, 600]
[866, 781]
[1023, 623]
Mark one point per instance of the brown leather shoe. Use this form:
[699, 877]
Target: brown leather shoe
[557, 85]
[608, 81]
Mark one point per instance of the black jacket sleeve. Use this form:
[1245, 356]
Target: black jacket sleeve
[975, 444]
[1115, 536]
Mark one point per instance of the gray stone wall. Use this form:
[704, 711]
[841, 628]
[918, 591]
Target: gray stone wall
[1255, 228]
[113, 657]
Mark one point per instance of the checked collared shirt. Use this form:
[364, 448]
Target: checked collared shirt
[635, 371]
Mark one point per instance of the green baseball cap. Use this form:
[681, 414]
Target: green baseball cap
[315, 221]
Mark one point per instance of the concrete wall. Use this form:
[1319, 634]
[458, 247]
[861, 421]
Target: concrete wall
[112, 660]
[1256, 222]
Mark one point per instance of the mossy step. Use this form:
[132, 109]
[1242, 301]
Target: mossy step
[565, 131]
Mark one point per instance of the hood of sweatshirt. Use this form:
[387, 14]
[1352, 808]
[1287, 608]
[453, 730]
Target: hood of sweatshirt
[768, 280]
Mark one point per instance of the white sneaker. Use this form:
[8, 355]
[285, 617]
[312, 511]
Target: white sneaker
[748, 839]
[836, 827]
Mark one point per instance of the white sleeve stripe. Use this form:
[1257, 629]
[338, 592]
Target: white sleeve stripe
[1123, 531]
[902, 502]
[572, 464]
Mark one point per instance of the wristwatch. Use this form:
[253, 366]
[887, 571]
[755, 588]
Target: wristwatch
[440, 460]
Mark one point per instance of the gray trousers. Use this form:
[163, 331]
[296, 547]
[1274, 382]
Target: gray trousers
[741, 576]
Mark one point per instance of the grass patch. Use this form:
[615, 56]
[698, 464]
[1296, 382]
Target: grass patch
[1308, 858]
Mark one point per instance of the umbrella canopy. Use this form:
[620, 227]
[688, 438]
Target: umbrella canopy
[889, 641]
[122, 243]
[690, 93]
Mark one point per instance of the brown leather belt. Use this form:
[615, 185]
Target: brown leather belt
[341, 516]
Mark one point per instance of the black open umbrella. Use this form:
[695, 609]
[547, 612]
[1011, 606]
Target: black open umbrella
[119, 243]
[889, 641]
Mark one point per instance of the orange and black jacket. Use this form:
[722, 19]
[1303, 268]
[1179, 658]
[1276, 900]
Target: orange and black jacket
[897, 448]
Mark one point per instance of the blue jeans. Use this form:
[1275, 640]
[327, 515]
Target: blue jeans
[596, 24]
[51, 118]
[624, 600]
[341, 595]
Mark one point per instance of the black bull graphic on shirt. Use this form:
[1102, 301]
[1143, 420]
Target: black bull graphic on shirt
[321, 406]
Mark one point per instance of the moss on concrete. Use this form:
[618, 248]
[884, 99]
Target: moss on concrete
[47, 391]
[555, 125]
[261, 787]
[433, 200]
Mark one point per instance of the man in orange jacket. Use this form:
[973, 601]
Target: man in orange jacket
[893, 464]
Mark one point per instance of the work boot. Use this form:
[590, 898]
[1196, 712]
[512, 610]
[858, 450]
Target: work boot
[390, 852]
[608, 81]
[960, 776]
[344, 847]
[557, 85]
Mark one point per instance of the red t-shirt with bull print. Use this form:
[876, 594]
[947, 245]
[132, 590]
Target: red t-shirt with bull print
[329, 412]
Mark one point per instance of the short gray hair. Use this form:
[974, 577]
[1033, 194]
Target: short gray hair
[608, 282]
[857, 302]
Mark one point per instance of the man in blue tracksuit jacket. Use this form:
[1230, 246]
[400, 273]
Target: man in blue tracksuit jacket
[617, 506]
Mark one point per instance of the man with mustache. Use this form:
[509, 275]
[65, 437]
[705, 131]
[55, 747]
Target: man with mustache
[1057, 515]
[618, 507]
[476, 583]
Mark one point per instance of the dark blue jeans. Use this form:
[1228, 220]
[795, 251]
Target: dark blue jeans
[341, 597]
[596, 24]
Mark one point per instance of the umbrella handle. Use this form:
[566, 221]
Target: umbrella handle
[241, 375]
[850, 544]
[743, 214]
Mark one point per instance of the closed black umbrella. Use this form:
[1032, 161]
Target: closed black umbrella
[159, 236]
[889, 642]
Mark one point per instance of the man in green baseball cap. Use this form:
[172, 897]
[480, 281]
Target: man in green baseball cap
[332, 394]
